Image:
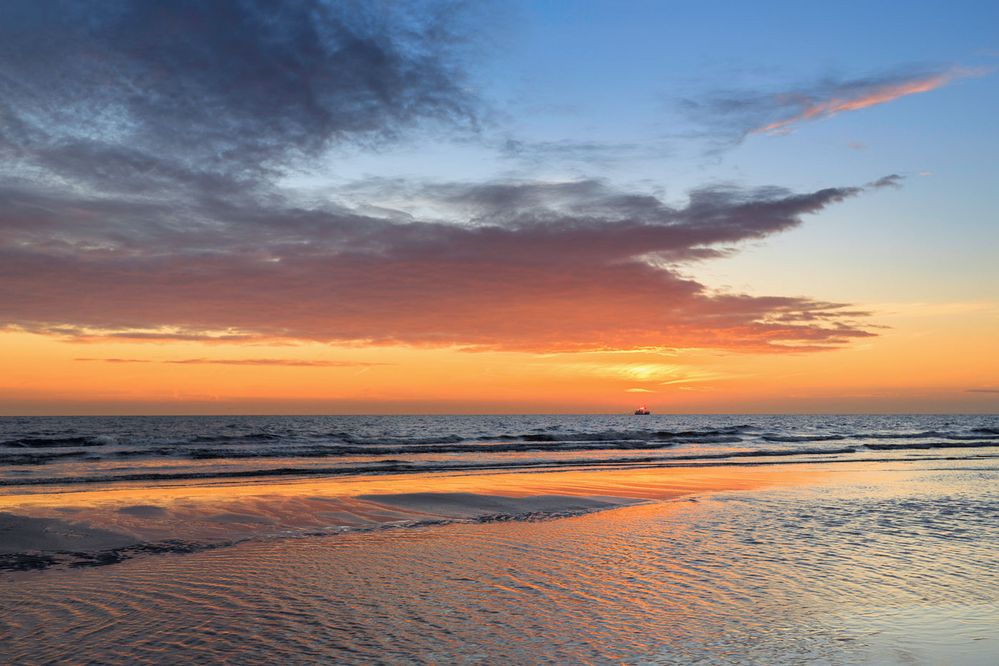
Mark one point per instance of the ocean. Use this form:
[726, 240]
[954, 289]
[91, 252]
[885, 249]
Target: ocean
[65, 451]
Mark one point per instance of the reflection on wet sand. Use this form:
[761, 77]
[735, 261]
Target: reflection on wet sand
[211, 514]
[886, 566]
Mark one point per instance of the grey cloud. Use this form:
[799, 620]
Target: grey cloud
[229, 86]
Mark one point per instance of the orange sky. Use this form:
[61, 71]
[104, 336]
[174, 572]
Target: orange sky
[931, 359]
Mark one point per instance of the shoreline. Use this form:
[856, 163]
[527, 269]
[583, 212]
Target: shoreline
[106, 526]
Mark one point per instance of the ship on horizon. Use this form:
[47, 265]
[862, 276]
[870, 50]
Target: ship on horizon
[642, 411]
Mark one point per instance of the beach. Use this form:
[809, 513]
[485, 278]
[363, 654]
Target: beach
[795, 561]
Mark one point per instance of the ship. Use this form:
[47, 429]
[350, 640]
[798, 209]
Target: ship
[642, 411]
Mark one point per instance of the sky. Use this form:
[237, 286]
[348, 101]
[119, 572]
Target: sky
[436, 207]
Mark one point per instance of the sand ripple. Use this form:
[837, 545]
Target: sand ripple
[857, 573]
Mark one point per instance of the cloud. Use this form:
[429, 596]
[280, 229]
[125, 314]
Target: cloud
[893, 181]
[114, 360]
[853, 96]
[276, 361]
[732, 115]
[983, 390]
[564, 266]
[587, 153]
[145, 156]
[245, 361]
[219, 91]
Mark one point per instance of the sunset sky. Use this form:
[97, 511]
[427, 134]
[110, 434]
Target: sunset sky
[243, 207]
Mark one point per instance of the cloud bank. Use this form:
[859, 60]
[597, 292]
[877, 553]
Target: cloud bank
[141, 147]
[527, 266]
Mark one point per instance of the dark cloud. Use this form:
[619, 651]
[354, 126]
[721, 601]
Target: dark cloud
[181, 89]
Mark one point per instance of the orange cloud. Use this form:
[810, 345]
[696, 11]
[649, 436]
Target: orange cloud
[525, 266]
[859, 98]
[298, 363]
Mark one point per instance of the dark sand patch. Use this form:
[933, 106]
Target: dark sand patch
[23, 533]
[36, 543]
[474, 505]
[143, 511]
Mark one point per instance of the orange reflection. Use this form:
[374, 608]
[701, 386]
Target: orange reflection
[234, 510]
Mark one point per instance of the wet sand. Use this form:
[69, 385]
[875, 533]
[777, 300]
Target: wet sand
[800, 564]
[108, 525]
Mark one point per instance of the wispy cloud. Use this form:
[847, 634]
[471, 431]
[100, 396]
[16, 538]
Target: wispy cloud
[734, 114]
[297, 363]
[853, 96]
[587, 153]
[983, 390]
[114, 360]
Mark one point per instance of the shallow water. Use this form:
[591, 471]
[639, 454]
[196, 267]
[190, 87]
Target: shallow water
[894, 564]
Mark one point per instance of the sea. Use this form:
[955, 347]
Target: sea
[66, 451]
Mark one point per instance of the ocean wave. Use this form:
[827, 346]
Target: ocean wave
[396, 466]
[333, 451]
[398, 441]
[971, 434]
[342, 450]
[802, 438]
[618, 435]
[262, 444]
[961, 444]
[251, 437]
[35, 458]
[54, 442]
[899, 435]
